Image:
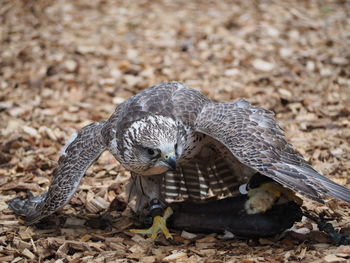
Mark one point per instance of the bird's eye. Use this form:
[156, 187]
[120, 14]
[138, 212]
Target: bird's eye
[152, 153]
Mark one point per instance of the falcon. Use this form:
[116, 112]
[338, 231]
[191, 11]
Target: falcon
[177, 143]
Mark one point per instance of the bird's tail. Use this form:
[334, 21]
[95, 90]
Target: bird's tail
[329, 187]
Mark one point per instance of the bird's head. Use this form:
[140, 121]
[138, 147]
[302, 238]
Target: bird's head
[151, 145]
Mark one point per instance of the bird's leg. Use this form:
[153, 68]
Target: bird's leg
[159, 222]
[263, 197]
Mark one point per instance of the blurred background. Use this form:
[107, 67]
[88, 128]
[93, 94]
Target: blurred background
[64, 64]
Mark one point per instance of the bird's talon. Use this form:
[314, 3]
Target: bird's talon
[158, 225]
[171, 241]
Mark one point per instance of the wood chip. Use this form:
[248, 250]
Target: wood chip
[333, 259]
[188, 235]
[176, 256]
[263, 65]
[344, 250]
[97, 204]
[25, 234]
[27, 253]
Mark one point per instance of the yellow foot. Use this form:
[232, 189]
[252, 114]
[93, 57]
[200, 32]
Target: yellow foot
[159, 225]
[265, 196]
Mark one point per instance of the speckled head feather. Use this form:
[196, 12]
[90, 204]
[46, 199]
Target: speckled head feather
[154, 132]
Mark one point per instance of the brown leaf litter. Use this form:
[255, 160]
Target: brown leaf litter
[64, 64]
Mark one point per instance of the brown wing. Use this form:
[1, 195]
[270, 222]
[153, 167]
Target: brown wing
[255, 139]
[76, 158]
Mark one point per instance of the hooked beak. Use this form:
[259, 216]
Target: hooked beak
[169, 160]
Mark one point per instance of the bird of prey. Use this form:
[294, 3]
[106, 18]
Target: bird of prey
[177, 143]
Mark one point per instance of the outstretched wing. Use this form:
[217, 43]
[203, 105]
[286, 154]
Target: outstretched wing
[77, 156]
[255, 139]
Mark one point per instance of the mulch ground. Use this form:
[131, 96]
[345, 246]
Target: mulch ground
[64, 64]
